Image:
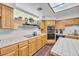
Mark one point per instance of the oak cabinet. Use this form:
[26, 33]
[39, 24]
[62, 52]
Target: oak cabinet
[0, 11]
[44, 39]
[50, 22]
[23, 51]
[6, 17]
[13, 53]
[32, 46]
[44, 23]
[59, 25]
[23, 48]
[72, 21]
[11, 50]
[38, 43]
[42, 26]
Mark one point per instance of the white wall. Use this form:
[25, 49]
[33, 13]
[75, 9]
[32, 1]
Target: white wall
[21, 32]
[70, 29]
[52, 17]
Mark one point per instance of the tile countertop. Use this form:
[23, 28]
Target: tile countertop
[12, 40]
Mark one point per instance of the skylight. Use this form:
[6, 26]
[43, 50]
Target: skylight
[55, 5]
[62, 6]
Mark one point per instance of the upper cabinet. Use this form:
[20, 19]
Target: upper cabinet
[67, 22]
[6, 18]
[45, 23]
[73, 21]
[50, 22]
[42, 24]
[59, 25]
[0, 10]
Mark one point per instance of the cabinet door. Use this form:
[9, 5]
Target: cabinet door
[42, 25]
[23, 51]
[11, 18]
[10, 50]
[13, 53]
[38, 43]
[32, 47]
[0, 11]
[44, 39]
[48, 23]
[8, 17]
[52, 22]
[60, 25]
[0, 15]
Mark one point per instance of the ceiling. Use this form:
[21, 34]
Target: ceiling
[45, 11]
[33, 8]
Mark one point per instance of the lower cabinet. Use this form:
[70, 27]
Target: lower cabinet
[44, 39]
[13, 53]
[32, 46]
[38, 43]
[11, 50]
[23, 51]
[23, 48]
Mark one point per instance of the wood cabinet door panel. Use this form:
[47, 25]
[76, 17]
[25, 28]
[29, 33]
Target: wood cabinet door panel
[32, 46]
[6, 14]
[31, 50]
[23, 51]
[9, 49]
[13, 53]
[23, 43]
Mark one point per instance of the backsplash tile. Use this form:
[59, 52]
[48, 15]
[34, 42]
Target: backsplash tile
[20, 32]
[71, 29]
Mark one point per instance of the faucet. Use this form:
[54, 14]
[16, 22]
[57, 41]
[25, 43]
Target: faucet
[75, 32]
[34, 33]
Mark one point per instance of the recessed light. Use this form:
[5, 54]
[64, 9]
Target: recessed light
[39, 9]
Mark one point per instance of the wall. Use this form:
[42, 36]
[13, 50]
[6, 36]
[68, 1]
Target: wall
[18, 13]
[21, 32]
[70, 29]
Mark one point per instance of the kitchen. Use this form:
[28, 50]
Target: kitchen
[31, 29]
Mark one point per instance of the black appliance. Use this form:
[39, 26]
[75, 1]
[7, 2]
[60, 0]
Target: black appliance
[50, 32]
[59, 31]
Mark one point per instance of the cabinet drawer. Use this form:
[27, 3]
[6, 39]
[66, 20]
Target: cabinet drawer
[24, 43]
[13, 53]
[32, 40]
[9, 49]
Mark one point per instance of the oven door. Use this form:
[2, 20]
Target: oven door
[51, 36]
